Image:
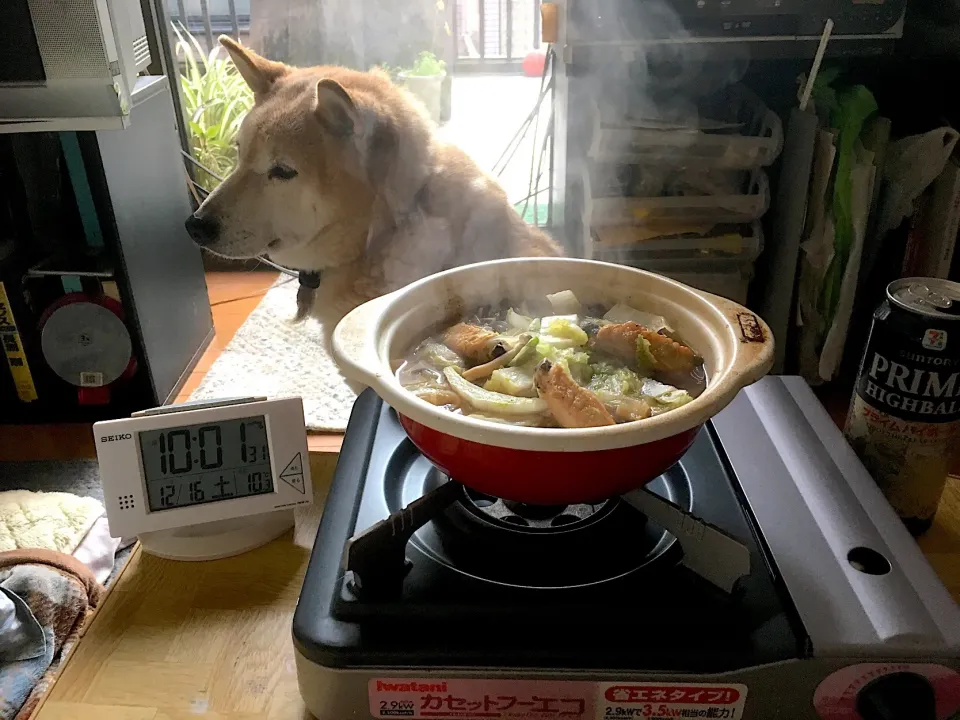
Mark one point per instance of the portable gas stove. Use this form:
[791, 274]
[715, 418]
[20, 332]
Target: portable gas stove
[786, 587]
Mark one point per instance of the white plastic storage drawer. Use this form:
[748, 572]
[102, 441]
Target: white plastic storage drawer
[723, 246]
[747, 134]
[747, 206]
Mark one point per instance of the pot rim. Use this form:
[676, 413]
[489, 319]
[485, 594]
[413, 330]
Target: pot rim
[362, 340]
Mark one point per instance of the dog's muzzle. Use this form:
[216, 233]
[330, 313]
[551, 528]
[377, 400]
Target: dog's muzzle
[203, 230]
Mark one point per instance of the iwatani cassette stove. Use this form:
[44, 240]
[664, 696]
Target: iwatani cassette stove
[763, 576]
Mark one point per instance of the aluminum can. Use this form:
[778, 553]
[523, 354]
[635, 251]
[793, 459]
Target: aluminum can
[904, 418]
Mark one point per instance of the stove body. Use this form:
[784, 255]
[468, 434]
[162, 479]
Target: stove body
[589, 612]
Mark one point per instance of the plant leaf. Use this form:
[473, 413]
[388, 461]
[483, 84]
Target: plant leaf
[215, 101]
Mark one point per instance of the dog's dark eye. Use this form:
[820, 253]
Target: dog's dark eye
[281, 172]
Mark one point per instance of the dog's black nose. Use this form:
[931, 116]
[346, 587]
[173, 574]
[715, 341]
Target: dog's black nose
[203, 230]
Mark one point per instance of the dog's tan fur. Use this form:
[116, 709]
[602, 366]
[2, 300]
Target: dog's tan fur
[377, 201]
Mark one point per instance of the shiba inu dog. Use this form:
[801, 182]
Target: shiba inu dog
[340, 173]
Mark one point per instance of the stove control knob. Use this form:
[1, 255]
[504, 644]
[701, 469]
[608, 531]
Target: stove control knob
[898, 696]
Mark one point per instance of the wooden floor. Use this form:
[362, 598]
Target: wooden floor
[233, 296]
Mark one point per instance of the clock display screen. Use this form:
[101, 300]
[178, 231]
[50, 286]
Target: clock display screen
[209, 462]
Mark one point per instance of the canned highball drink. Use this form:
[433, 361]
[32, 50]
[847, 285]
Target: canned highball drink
[905, 414]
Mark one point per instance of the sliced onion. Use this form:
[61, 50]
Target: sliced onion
[489, 401]
[517, 321]
[564, 302]
[524, 420]
[655, 388]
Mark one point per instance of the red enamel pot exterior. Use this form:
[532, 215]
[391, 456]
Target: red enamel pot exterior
[548, 478]
[541, 465]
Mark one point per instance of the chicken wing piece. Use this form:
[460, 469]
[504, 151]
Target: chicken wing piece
[620, 339]
[671, 356]
[572, 406]
[475, 344]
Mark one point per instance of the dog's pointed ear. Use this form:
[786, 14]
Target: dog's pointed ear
[335, 108]
[259, 73]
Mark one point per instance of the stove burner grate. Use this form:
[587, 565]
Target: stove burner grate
[435, 519]
[546, 547]
[544, 518]
[504, 543]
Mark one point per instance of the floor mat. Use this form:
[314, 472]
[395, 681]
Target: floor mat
[274, 357]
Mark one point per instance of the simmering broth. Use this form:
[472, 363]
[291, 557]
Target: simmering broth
[555, 363]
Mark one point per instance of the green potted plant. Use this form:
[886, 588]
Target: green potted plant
[425, 80]
[215, 100]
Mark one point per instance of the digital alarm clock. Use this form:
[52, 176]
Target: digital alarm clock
[205, 479]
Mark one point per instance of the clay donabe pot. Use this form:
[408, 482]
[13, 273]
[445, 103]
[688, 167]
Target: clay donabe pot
[551, 466]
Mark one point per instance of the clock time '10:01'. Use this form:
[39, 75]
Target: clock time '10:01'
[207, 462]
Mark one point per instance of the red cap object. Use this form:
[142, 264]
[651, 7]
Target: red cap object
[533, 63]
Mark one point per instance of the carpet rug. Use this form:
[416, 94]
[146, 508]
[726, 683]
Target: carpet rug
[272, 356]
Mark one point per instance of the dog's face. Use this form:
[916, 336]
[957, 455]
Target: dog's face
[296, 193]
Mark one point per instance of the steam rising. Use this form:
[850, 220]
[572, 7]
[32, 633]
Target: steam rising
[654, 87]
[659, 72]
[636, 68]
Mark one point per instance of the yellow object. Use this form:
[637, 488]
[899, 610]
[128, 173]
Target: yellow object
[52, 521]
[549, 29]
[13, 349]
[630, 234]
